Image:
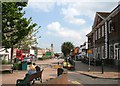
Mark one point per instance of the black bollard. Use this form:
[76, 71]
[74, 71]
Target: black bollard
[102, 66]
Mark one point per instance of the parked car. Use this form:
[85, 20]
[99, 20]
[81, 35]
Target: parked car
[68, 66]
[78, 57]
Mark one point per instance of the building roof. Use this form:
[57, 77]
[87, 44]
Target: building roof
[104, 14]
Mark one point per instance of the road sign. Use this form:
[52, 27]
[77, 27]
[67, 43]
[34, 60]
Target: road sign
[89, 51]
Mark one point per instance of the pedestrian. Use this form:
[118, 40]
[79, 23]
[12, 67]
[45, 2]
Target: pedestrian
[37, 67]
[32, 69]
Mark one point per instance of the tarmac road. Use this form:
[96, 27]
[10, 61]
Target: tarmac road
[83, 79]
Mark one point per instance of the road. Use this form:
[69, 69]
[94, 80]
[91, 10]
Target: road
[74, 77]
[77, 78]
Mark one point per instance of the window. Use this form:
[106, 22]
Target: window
[111, 51]
[118, 54]
[102, 30]
[98, 33]
[93, 37]
[103, 52]
[98, 56]
[110, 26]
[116, 51]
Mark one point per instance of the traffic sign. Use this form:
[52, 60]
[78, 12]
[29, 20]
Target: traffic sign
[89, 51]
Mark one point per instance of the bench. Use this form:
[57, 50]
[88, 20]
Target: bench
[27, 81]
[7, 68]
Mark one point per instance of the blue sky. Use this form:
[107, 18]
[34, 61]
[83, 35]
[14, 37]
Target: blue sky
[63, 21]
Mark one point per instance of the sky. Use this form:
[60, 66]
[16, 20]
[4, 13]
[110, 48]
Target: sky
[65, 20]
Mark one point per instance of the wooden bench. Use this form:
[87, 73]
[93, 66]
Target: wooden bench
[7, 68]
[27, 81]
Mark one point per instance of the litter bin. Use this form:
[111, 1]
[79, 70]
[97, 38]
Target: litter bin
[24, 65]
[16, 60]
[59, 71]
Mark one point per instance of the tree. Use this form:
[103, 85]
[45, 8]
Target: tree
[15, 28]
[66, 48]
[28, 40]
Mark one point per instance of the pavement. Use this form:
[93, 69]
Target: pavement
[49, 72]
[96, 71]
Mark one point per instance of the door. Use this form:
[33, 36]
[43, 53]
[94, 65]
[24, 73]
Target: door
[116, 53]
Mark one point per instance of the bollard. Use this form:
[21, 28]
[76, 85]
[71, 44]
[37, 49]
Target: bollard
[102, 66]
[59, 71]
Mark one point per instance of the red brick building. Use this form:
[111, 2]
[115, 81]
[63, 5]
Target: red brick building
[104, 39]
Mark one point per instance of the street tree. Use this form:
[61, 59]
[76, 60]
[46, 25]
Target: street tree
[15, 28]
[66, 48]
[28, 40]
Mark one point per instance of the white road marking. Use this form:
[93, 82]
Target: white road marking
[75, 82]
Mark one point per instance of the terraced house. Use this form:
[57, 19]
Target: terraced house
[104, 39]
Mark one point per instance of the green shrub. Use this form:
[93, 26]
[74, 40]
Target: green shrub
[16, 66]
[4, 61]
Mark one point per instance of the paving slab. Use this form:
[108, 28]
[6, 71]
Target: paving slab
[96, 71]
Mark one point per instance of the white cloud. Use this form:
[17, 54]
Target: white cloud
[74, 8]
[62, 31]
[77, 36]
[81, 9]
[55, 26]
[69, 15]
[41, 6]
